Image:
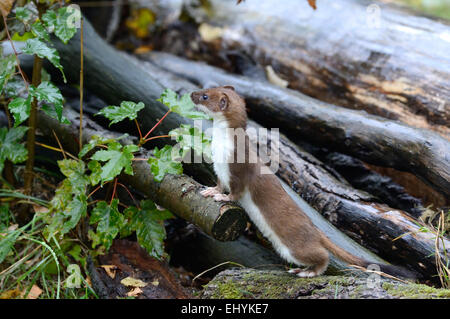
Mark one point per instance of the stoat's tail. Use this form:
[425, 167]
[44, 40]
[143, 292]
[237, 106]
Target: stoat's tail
[340, 253]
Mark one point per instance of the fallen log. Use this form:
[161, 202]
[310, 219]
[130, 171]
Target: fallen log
[351, 210]
[272, 284]
[365, 55]
[370, 138]
[179, 194]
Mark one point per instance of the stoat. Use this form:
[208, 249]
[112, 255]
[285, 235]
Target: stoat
[269, 207]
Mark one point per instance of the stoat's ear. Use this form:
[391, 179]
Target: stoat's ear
[223, 103]
[229, 87]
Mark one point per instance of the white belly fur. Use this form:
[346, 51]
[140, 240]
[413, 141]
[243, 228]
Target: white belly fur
[222, 150]
[257, 217]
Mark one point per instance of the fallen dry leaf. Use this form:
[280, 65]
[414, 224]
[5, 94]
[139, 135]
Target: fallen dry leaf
[209, 33]
[34, 293]
[312, 3]
[40, 209]
[10, 294]
[5, 6]
[274, 78]
[155, 283]
[110, 270]
[133, 282]
[135, 292]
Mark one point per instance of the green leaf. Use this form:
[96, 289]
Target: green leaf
[126, 109]
[188, 138]
[96, 172]
[23, 14]
[7, 69]
[22, 38]
[42, 50]
[54, 112]
[66, 22]
[183, 106]
[20, 109]
[75, 173]
[7, 242]
[162, 163]
[116, 159]
[39, 31]
[147, 221]
[49, 18]
[109, 222]
[47, 91]
[74, 211]
[10, 147]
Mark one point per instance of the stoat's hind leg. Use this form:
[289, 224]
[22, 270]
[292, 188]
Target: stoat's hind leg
[315, 257]
[211, 191]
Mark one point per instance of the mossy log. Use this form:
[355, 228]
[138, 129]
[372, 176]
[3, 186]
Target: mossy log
[248, 283]
[373, 139]
[180, 194]
[115, 76]
[360, 54]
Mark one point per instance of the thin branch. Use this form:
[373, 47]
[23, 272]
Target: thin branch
[114, 191]
[56, 149]
[81, 83]
[59, 144]
[15, 52]
[156, 125]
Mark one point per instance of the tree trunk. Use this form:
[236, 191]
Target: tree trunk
[371, 138]
[360, 54]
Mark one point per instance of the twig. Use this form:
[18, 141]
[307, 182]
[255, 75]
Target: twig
[56, 149]
[59, 144]
[114, 191]
[15, 52]
[156, 125]
[155, 137]
[81, 84]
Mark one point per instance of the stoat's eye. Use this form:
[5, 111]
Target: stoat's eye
[205, 97]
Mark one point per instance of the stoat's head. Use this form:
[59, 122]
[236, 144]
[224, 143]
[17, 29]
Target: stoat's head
[222, 103]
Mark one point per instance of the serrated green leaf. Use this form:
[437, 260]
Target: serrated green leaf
[39, 31]
[23, 14]
[24, 37]
[55, 112]
[109, 221]
[188, 138]
[7, 69]
[126, 109]
[96, 172]
[67, 20]
[147, 221]
[116, 161]
[20, 109]
[183, 106]
[49, 18]
[7, 242]
[41, 49]
[75, 173]
[47, 91]
[14, 87]
[74, 211]
[162, 163]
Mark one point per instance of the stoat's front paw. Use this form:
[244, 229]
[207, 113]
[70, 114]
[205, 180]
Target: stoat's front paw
[222, 198]
[210, 191]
